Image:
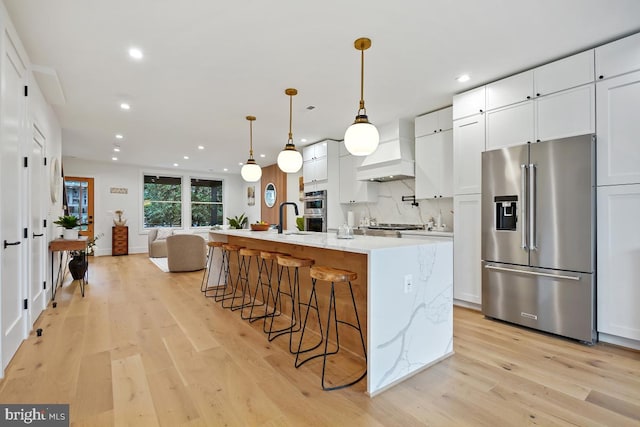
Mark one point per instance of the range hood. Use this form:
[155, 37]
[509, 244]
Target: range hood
[394, 158]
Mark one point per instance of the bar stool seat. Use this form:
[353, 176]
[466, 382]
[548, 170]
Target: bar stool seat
[293, 296]
[332, 275]
[204, 287]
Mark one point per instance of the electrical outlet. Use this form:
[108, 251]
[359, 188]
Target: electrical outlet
[408, 283]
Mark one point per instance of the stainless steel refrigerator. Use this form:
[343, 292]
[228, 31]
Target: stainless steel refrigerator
[538, 236]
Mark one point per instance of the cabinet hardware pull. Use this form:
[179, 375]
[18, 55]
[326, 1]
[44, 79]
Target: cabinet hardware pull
[528, 97]
[601, 77]
[537, 94]
[37, 235]
[10, 244]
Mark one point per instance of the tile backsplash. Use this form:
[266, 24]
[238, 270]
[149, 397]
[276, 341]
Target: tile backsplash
[391, 209]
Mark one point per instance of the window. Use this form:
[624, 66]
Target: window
[206, 202]
[162, 201]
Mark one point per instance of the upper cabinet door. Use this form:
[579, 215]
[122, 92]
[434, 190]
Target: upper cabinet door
[568, 113]
[426, 124]
[618, 103]
[566, 73]
[468, 145]
[469, 103]
[509, 91]
[509, 126]
[618, 57]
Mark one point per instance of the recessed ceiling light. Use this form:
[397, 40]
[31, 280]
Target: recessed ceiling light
[114, 158]
[303, 140]
[175, 164]
[116, 149]
[125, 106]
[200, 147]
[463, 78]
[263, 155]
[225, 169]
[135, 53]
[119, 136]
[185, 157]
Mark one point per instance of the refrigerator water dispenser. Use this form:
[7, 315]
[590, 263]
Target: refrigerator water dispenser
[506, 208]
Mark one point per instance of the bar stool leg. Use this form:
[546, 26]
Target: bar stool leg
[246, 286]
[205, 275]
[276, 312]
[223, 273]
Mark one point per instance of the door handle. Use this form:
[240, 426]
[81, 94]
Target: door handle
[532, 273]
[523, 208]
[37, 235]
[10, 244]
[532, 206]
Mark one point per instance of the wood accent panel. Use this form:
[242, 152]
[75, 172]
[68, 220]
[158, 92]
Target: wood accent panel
[273, 174]
[142, 335]
[357, 263]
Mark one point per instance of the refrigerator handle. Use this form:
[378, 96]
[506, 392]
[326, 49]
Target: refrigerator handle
[532, 207]
[532, 273]
[523, 209]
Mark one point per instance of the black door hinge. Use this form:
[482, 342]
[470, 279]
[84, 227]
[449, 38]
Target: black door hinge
[44, 223]
[44, 285]
[26, 233]
[26, 91]
[26, 162]
[26, 304]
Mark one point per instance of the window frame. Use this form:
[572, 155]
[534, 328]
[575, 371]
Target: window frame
[189, 210]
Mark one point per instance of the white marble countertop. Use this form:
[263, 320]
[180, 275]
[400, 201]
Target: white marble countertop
[359, 244]
[427, 233]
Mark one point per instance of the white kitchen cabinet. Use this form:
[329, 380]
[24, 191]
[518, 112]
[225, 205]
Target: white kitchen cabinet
[618, 255]
[568, 113]
[618, 104]
[469, 103]
[566, 73]
[434, 165]
[467, 262]
[437, 121]
[352, 190]
[618, 57]
[468, 145]
[509, 91]
[509, 126]
[314, 151]
[315, 166]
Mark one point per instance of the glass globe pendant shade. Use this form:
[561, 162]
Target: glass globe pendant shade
[361, 138]
[251, 172]
[290, 159]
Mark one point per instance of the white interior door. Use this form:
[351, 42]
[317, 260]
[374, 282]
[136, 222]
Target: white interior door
[37, 238]
[13, 318]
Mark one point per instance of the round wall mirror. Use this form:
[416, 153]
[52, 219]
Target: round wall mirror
[270, 195]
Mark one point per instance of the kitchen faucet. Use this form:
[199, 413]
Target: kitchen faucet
[282, 205]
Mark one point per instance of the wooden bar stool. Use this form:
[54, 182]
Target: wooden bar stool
[207, 272]
[229, 288]
[293, 296]
[332, 275]
[244, 277]
[267, 262]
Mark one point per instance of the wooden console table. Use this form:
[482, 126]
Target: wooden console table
[62, 246]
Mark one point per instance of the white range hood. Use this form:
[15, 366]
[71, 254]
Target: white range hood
[394, 158]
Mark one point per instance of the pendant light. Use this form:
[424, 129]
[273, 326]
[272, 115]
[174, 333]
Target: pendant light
[251, 172]
[361, 138]
[290, 159]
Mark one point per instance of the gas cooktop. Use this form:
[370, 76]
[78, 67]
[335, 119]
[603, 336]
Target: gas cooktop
[396, 227]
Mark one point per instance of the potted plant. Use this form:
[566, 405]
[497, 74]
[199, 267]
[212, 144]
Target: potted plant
[238, 222]
[69, 223]
[78, 264]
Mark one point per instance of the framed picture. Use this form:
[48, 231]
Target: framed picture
[251, 195]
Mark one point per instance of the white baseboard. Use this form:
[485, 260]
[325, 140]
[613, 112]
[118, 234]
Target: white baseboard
[466, 304]
[621, 341]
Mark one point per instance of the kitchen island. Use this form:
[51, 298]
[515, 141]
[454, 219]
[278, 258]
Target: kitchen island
[404, 291]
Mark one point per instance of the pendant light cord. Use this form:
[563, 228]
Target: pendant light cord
[251, 139]
[290, 118]
[364, 110]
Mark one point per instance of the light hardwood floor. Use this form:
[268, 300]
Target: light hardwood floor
[146, 348]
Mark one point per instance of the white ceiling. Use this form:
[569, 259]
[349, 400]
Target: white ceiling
[208, 64]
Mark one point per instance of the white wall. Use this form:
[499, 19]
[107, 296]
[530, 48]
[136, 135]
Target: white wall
[111, 174]
[392, 210]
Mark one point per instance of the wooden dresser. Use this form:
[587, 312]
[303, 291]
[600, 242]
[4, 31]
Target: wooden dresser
[119, 240]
